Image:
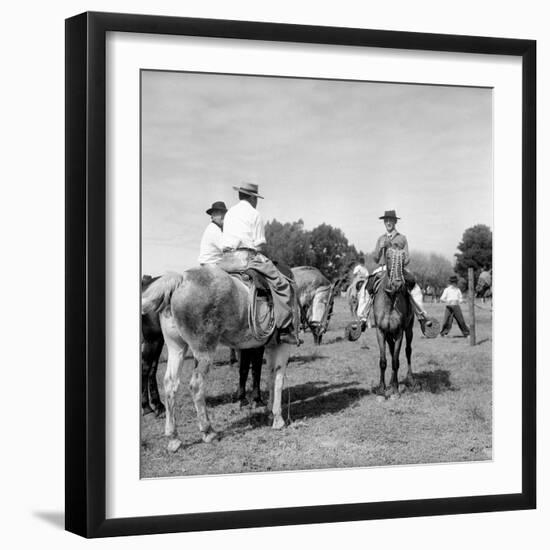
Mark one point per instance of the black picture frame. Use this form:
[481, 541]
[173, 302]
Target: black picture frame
[86, 273]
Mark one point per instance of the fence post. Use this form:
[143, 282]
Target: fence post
[472, 300]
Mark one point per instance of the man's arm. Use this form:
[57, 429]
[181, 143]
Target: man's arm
[379, 249]
[259, 234]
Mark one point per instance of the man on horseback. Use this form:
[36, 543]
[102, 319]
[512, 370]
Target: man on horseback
[211, 241]
[393, 239]
[244, 236]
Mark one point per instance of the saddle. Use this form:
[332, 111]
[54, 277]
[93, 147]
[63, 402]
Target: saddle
[260, 308]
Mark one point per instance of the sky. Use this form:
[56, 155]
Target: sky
[337, 152]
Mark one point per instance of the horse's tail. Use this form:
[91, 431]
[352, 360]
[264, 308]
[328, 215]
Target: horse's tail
[158, 295]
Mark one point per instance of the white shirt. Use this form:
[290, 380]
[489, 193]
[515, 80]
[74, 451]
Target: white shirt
[243, 227]
[360, 270]
[452, 296]
[211, 245]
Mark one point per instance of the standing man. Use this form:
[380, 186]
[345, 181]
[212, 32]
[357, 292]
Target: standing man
[393, 239]
[243, 242]
[453, 298]
[211, 241]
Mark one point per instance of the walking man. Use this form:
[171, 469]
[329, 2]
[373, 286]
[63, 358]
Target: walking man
[243, 241]
[453, 298]
[211, 241]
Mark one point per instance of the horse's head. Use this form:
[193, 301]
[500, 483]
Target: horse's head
[321, 310]
[395, 262]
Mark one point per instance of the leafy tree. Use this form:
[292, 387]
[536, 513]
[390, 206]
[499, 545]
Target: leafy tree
[476, 250]
[288, 243]
[324, 247]
[430, 269]
[331, 250]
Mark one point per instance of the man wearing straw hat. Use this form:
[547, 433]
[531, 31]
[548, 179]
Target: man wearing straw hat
[211, 242]
[244, 238]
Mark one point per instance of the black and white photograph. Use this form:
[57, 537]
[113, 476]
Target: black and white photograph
[316, 274]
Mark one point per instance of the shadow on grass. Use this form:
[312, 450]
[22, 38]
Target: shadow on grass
[433, 381]
[310, 400]
[307, 358]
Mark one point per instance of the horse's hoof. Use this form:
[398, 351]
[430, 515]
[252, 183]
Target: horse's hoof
[258, 404]
[243, 403]
[173, 445]
[380, 398]
[146, 410]
[209, 436]
[395, 396]
[278, 423]
[160, 411]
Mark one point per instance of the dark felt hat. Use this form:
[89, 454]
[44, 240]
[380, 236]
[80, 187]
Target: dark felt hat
[389, 214]
[248, 189]
[453, 279]
[219, 206]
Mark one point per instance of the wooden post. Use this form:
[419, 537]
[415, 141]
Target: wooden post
[472, 292]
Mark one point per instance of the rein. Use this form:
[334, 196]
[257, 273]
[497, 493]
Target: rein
[323, 324]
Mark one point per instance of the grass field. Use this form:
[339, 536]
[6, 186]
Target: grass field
[333, 418]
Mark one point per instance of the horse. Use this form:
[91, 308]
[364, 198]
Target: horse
[316, 299]
[394, 316]
[431, 292]
[198, 310]
[484, 287]
[352, 295]
[152, 343]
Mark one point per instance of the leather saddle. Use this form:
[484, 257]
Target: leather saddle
[236, 264]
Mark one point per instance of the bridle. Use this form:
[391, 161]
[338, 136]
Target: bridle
[322, 325]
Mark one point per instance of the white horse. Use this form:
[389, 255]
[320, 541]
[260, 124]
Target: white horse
[200, 309]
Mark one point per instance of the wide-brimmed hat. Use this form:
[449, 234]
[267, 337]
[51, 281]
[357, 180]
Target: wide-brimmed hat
[453, 279]
[389, 214]
[219, 206]
[248, 189]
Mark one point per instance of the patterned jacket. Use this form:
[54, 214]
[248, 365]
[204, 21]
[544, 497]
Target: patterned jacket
[397, 240]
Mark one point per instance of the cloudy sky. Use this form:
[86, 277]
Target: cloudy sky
[324, 151]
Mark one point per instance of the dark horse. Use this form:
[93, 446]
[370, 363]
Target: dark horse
[394, 316]
[152, 343]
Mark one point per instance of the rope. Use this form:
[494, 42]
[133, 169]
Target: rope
[255, 326]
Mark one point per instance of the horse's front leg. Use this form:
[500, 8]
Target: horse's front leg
[154, 397]
[244, 367]
[257, 359]
[395, 349]
[409, 380]
[145, 368]
[381, 389]
[277, 360]
[197, 385]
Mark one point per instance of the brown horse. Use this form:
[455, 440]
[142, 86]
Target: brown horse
[200, 309]
[394, 316]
